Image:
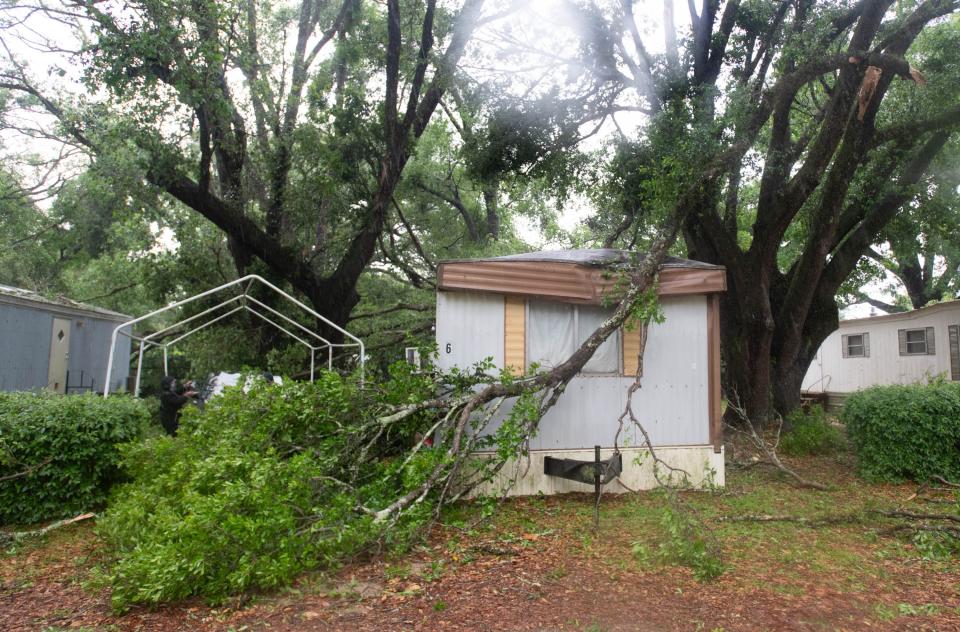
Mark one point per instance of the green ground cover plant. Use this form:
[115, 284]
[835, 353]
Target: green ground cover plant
[59, 454]
[811, 433]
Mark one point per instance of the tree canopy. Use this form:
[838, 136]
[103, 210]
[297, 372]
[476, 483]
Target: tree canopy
[343, 148]
[789, 136]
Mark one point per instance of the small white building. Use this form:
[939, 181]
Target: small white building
[539, 308]
[898, 348]
[57, 344]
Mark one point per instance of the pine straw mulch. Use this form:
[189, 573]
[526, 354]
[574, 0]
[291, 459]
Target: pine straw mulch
[539, 565]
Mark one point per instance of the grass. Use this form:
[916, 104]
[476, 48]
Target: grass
[888, 575]
[783, 557]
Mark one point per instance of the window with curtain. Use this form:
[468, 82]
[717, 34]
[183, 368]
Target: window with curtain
[556, 330]
[551, 336]
[607, 357]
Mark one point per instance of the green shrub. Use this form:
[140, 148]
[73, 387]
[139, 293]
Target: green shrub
[906, 432]
[810, 433]
[261, 486]
[68, 444]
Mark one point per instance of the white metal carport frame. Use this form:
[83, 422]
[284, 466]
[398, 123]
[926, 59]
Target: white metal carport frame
[236, 303]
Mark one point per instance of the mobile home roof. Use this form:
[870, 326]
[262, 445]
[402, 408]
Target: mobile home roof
[19, 296]
[582, 276]
[909, 315]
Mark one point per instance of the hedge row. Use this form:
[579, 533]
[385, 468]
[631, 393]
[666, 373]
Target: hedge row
[906, 432]
[67, 447]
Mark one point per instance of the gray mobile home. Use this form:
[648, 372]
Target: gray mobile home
[902, 348]
[57, 344]
[539, 307]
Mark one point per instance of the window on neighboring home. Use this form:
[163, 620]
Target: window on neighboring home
[856, 345]
[556, 330]
[916, 341]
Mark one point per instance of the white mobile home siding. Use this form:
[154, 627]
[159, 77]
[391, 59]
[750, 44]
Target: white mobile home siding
[673, 403]
[831, 372]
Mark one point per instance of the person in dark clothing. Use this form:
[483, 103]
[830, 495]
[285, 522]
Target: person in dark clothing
[172, 399]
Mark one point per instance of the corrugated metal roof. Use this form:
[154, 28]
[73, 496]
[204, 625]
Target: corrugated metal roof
[593, 257]
[60, 301]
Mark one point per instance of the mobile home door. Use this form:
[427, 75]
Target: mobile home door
[59, 355]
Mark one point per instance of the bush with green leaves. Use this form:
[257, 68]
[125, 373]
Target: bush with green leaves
[906, 432]
[59, 454]
[810, 432]
[263, 485]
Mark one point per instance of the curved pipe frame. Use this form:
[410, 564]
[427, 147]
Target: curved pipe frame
[243, 301]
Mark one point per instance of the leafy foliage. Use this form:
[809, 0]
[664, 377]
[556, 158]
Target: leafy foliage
[263, 485]
[685, 543]
[68, 446]
[906, 432]
[810, 433]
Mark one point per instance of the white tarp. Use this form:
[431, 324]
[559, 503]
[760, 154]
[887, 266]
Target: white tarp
[220, 381]
[606, 359]
[555, 330]
[551, 335]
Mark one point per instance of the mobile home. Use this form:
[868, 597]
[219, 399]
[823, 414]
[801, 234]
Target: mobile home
[539, 307]
[898, 348]
[57, 344]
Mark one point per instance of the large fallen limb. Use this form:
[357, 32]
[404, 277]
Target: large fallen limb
[551, 383]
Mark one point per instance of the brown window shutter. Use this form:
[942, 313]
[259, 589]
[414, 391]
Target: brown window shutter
[954, 352]
[931, 347]
[866, 345]
[631, 350]
[514, 334]
[843, 346]
[902, 338]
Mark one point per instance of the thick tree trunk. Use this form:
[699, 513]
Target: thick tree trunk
[747, 341]
[765, 353]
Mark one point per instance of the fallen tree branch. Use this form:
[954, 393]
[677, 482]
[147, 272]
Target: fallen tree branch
[27, 472]
[857, 517]
[551, 384]
[767, 450]
[17, 536]
[946, 482]
[918, 516]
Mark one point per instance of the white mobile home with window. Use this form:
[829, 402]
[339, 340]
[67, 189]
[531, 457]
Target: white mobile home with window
[892, 349]
[539, 307]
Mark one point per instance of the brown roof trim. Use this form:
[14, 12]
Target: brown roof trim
[565, 281]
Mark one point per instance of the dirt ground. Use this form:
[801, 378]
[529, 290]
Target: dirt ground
[539, 564]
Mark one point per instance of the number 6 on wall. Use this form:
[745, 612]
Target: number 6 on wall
[449, 348]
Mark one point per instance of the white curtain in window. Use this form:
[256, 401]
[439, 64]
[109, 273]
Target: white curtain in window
[550, 333]
[607, 357]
